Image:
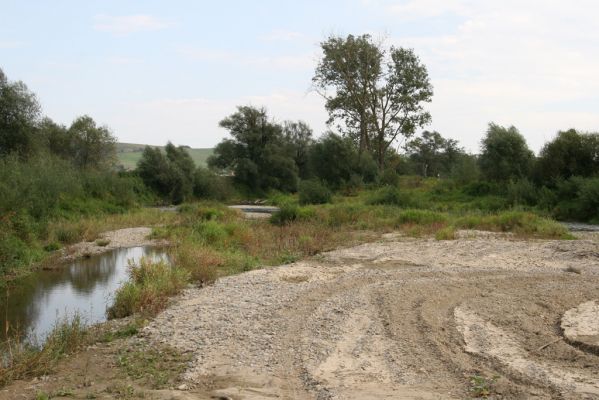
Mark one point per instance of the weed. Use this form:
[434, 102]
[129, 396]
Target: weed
[157, 367]
[102, 242]
[481, 386]
[447, 233]
[201, 262]
[126, 331]
[42, 396]
[286, 215]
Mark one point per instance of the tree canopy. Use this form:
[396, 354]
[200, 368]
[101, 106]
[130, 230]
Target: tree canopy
[570, 154]
[433, 154]
[19, 114]
[375, 94]
[505, 154]
[257, 153]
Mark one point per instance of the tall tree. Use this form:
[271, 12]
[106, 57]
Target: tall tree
[94, 147]
[345, 76]
[256, 152]
[19, 114]
[298, 139]
[377, 94]
[505, 154]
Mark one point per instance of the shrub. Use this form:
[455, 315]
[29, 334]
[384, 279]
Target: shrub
[149, 286]
[210, 232]
[522, 192]
[286, 215]
[391, 196]
[313, 192]
[201, 262]
[447, 233]
[578, 199]
[389, 177]
[421, 217]
[208, 185]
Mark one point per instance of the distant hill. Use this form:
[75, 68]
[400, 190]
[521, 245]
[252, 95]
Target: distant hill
[129, 153]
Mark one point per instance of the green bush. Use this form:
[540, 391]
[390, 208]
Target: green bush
[522, 192]
[392, 196]
[208, 185]
[578, 199]
[286, 215]
[313, 192]
[210, 232]
[149, 286]
[421, 217]
[389, 177]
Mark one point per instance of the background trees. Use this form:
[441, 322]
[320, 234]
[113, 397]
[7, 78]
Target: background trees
[433, 154]
[570, 154]
[257, 153]
[505, 154]
[375, 94]
[93, 146]
[19, 114]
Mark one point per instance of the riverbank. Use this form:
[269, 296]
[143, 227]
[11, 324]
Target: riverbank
[400, 317]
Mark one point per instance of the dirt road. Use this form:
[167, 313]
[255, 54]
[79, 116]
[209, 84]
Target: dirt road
[397, 319]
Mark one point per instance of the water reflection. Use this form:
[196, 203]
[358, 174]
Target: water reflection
[33, 304]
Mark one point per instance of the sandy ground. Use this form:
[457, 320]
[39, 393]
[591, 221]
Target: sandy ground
[400, 318]
[128, 237]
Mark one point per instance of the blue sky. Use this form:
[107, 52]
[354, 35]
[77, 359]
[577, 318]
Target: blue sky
[155, 71]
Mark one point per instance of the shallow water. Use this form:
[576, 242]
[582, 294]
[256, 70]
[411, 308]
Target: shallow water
[35, 303]
[580, 227]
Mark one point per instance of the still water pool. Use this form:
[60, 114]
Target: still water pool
[33, 305]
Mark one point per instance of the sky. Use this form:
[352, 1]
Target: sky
[155, 71]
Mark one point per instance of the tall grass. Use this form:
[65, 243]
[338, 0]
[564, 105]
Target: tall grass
[22, 360]
[149, 286]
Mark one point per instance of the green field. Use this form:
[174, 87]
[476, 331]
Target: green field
[129, 153]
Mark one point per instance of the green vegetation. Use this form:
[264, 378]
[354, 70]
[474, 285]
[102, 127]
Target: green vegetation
[25, 360]
[63, 184]
[210, 240]
[481, 386]
[148, 288]
[157, 368]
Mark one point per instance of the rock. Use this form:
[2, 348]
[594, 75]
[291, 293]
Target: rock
[581, 325]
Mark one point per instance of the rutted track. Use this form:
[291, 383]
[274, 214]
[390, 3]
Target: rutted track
[401, 318]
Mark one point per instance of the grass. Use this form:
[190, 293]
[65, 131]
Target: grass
[22, 360]
[157, 368]
[150, 285]
[209, 240]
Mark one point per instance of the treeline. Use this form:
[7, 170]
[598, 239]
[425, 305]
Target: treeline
[50, 172]
[374, 96]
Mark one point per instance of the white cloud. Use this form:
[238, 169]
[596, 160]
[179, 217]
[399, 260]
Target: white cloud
[509, 62]
[125, 24]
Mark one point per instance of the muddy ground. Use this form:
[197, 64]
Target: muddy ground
[401, 318]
